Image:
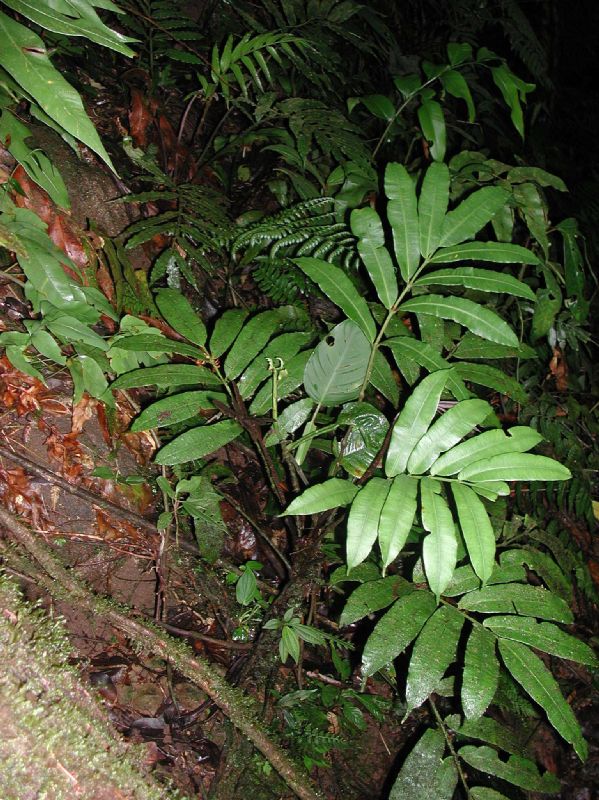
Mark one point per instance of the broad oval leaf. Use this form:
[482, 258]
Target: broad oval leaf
[453, 425]
[414, 420]
[425, 775]
[363, 520]
[542, 636]
[482, 280]
[515, 467]
[322, 497]
[372, 596]
[432, 205]
[337, 368]
[198, 442]
[434, 651]
[539, 683]
[481, 673]
[439, 548]
[178, 312]
[497, 252]
[175, 408]
[340, 290]
[397, 517]
[402, 213]
[366, 225]
[517, 598]
[396, 630]
[485, 445]
[473, 213]
[517, 770]
[166, 375]
[478, 319]
[476, 529]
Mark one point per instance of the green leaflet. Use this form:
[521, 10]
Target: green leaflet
[471, 215]
[517, 770]
[539, 683]
[484, 793]
[481, 673]
[178, 312]
[225, 331]
[322, 497]
[425, 775]
[476, 318]
[455, 84]
[366, 225]
[453, 425]
[488, 730]
[498, 252]
[176, 408]
[424, 354]
[432, 205]
[340, 290]
[396, 629]
[397, 517]
[252, 338]
[167, 376]
[439, 548]
[476, 529]
[198, 442]
[485, 445]
[337, 368]
[472, 346]
[493, 378]
[69, 330]
[289, 420]
[154, 343]
[402, 213]
[363, 520]
[542, 636]
[381, 377]
[372, 596]
[25, 58]
[434, 651]
[516, 598]
[515, 467]
[414, 420]
[432, 122]
[482, 280]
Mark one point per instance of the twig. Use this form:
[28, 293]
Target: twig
[238, 707]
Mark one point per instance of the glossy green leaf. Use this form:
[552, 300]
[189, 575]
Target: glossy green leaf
[363, 520]
[538, 175]
[337, 368]
[414, 420]
[252, 338]
[289, 420]
[453, 425]
[341, 291]
[514, 91]
[432, 205]
[409, 348]
[372, 596]
[322, 497]
[465, 579]
[225, 331]
[18, 359]
[486, 445]
[68, 329]
[472, 346]
[366, 225]
[517, 770]
[396, 630]
[154, 343]
[367, 430]
[458, 52]
[476, 318]
[515, 467]
[198, 442]
[178, 312]
[47, 346]
[542, 636]
[481, 673]
[439, 548]
[493, 378]
[476, 529]
[432, 122]
[434, 651]
[175, 408]
[455, 84]
[539, 683]
[402, 213]
[516, 598]
[534, 209]
[497, 252]
[397, 517]
[25, 58]
[379, 105]
[166, 376]
[486, 729]
[483, 280]
[424, 774]
[383, 380]
[473, 213]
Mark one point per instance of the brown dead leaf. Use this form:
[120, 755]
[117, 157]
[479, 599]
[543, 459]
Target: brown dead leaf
[558, 369]
[85, 409]
[19, 496]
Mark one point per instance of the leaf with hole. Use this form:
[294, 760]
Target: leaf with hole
[337, 368]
